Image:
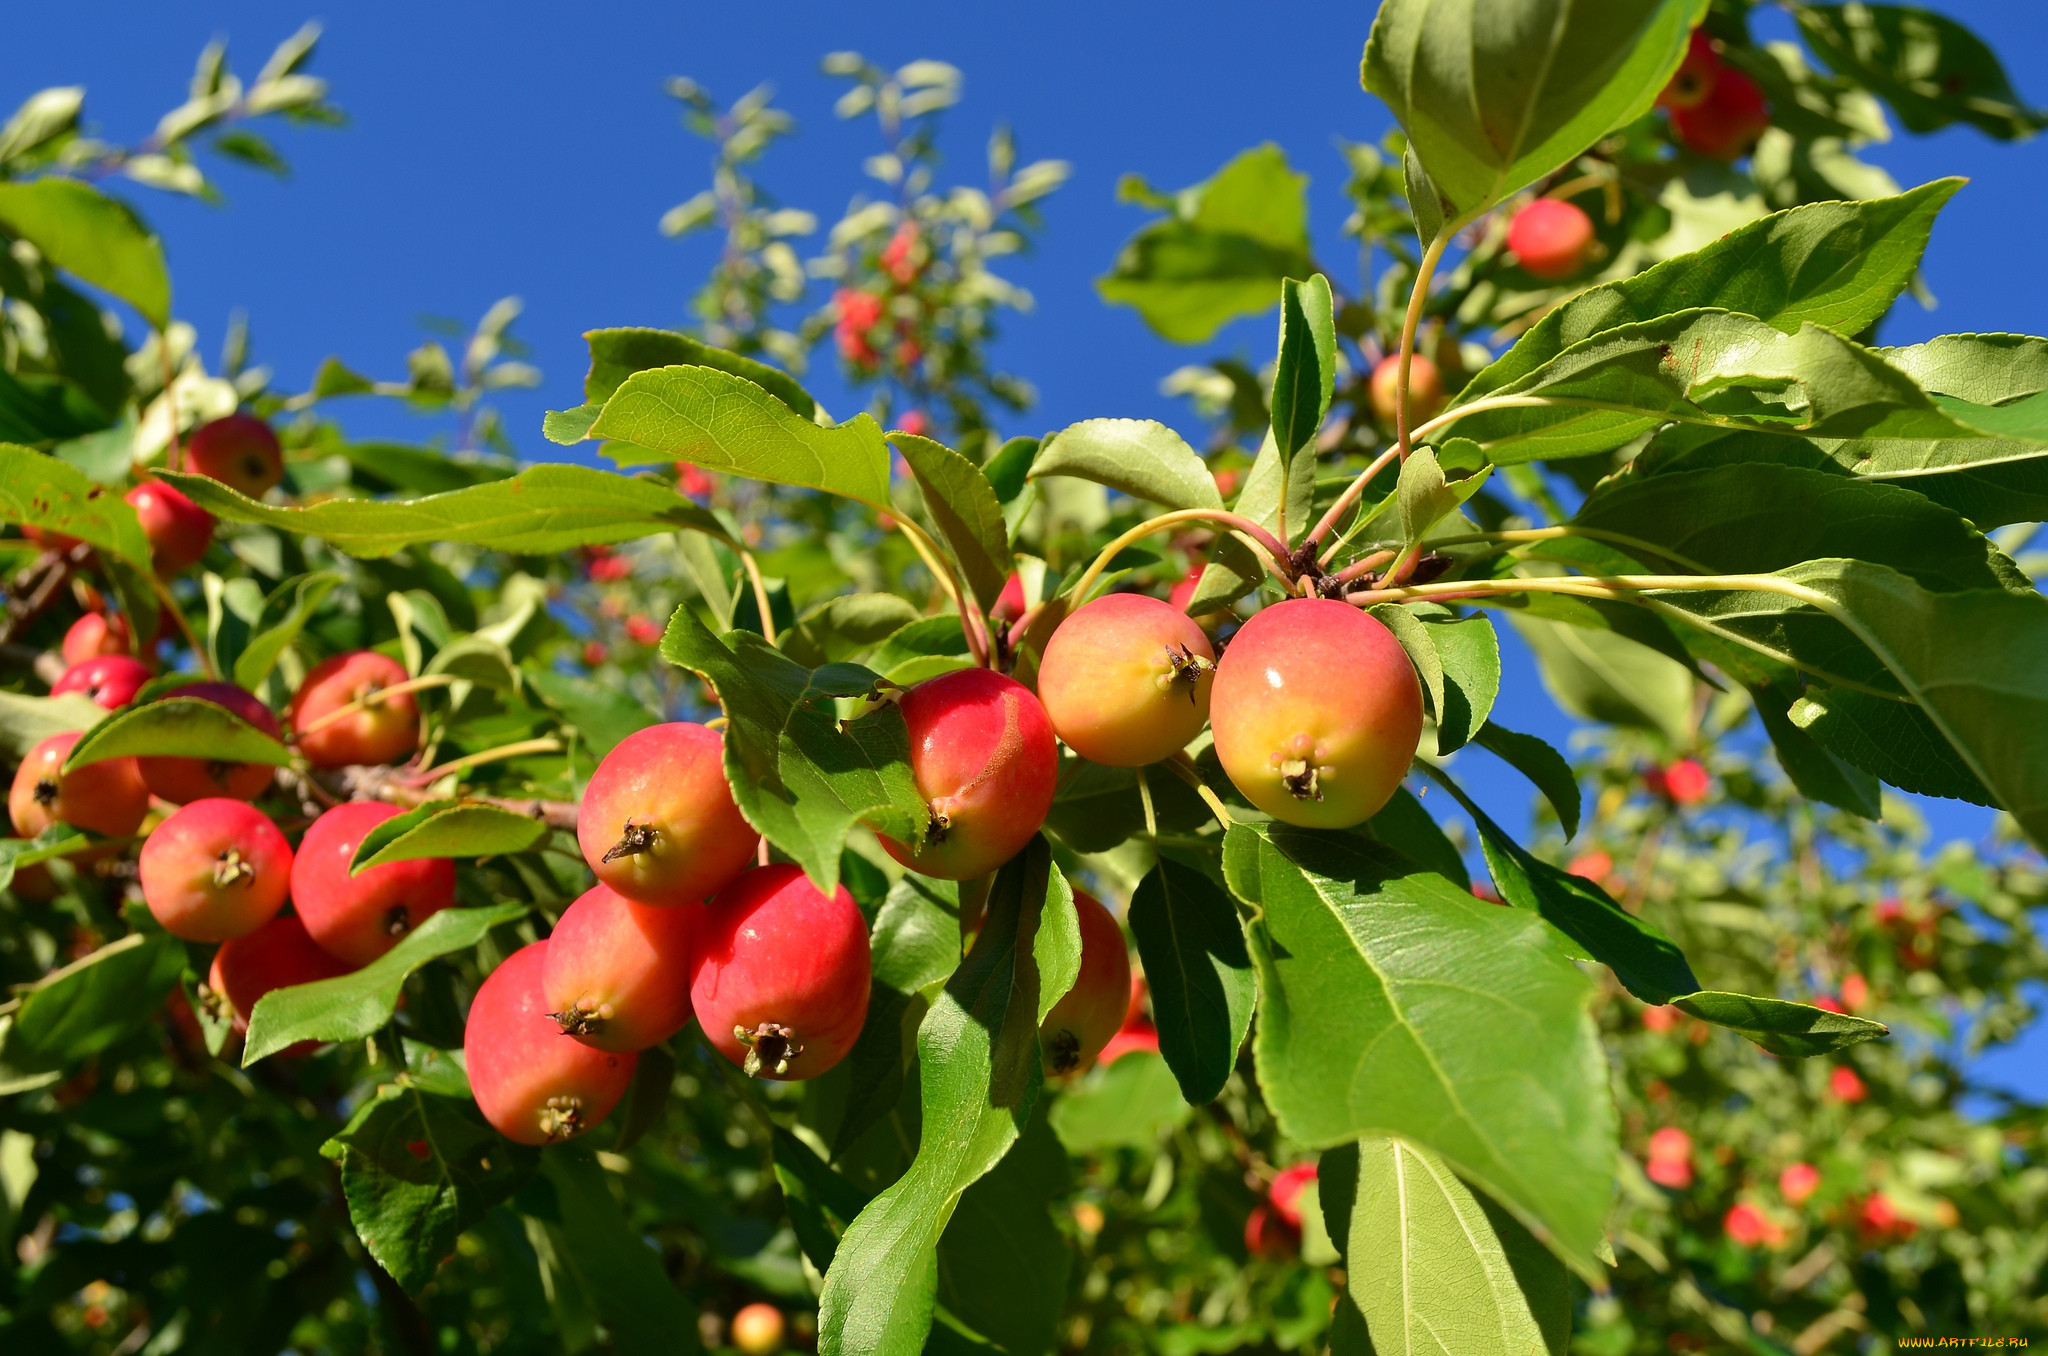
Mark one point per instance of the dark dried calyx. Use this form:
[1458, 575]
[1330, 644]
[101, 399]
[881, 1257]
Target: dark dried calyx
[633, 840]
[770, 1046]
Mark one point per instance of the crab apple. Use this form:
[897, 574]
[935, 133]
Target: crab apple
[184, 780]
[1267, 1235]
[779, 977]
[1878, 1221]
[1010, 602]
[216, 869]
[278, 955]
[93, 635]
[1425, 389]
[1285, 1193]
[533, 1085]
[1091, 1012]
[1746, 1226]
[1844, 1085]
[1695, 77]
[1726, 123]
[1551, 239]
[106, 797]
[1684, 782]
[360, 917]
[112, 680]
[757, 1330]
[1317, 713]
[178, 529]
[1798, 1182]
[658, 823]
[1142, 1039]
[240, 452]
[618, 973]
[983, 755]
[385, 730]
[1670, 1158]
[1125, 680]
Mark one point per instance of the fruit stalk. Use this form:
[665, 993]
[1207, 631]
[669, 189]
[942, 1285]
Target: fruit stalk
[1417, 295]
[1275, 549]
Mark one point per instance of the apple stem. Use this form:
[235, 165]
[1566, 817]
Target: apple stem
[454, 765]
[368, 700]
[1417, 295]
[760, 586]
[1279, 561]
[1183, 767]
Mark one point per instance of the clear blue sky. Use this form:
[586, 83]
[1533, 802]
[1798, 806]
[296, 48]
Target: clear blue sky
[523, 149]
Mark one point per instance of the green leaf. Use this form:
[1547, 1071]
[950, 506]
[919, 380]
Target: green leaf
[1095, 808]
[1394, 1003]
[418, 1169]
[41, 491]
[1929, 68]
[1306, 374]
[447, 828]
[915, 944]
[260, 655]
[416, 470]
[600, 715]
[47, 409]
[58, 840]
[1541, 764]
[1599, 675]
[840, 627]
[1648, 963]
[1892, 741]
[1003, 1264]
[979, 1074]
[1201, 977]
[82, 1008]
[1458, 660]
[647, 1097]
[620, 1273]
[90, 235]
[1755, 517]
[616, 354]
[964, 508]
[352, 1006]
[179, 727]
[1495, 96]
[27, 721]
[543, 510]
[1435, 1267]
[1838, 264]
[1221, 253]
[1125, 1104]
[1791, 1029]
[1407, 828]
[1007, 469]
[1423, 497]
[1817, 771]
[1271, 484]
[726, 423]
[798, 778]
[1141, 457]
[1976, 662]
[1704, 367]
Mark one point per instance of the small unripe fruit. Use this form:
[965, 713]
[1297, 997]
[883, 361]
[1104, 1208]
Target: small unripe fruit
[533, 1083]
[216, 869]
[986, 764]
[757, 1330]
[1090, 1013]
[240, 452]
[359, 918]
[178, 529]
[1726, 124]
[93, 635]
[112, 680]
[780, 974]
[279, 955]
[618, 973]
[658, 823]
[105, 797]
[184, 780]
[386, 730]
[1316, 712]
[1125, 680]
[1552, 240]
[1425, 389]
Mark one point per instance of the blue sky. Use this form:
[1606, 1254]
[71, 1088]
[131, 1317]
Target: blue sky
[528, 150]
